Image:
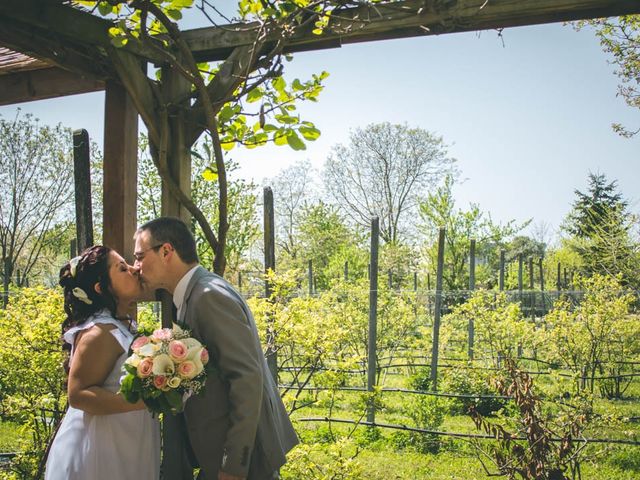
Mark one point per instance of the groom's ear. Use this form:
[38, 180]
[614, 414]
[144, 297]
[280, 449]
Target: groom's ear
[98, 288]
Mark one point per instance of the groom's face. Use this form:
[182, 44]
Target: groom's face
[148, 261]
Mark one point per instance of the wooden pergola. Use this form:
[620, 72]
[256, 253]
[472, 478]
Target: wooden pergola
[49, 45]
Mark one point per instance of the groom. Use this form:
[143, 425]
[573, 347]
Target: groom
[237, 428]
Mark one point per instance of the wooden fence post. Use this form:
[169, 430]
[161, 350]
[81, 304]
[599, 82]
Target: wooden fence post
[373, 316]
[390, 273]
[270, 265]
[310, 277]
[501, 274]
[82, 180]
[472, 287]
[520, 296]
[346, 271]
[438, 312]
[239, 281]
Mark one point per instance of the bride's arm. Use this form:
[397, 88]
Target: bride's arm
[95, 354]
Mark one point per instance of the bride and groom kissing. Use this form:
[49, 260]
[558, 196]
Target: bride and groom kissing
[237, 428]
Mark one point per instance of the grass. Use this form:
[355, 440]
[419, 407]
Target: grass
[10, 437]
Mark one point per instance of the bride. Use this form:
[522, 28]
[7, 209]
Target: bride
[102, 436]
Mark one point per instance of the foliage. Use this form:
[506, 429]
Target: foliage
[499, 326]
[439, 210]
[244, 99]
[620, 37]
[470, 381]
[33, 390]
[542, 446]
[427, 413]
[319, 461]
[602, 231]
[384, 171]
[592, 337]
[241, 203]
[37, 188]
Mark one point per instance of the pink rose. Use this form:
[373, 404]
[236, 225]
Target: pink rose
[139, 342]
[145, 367]
[204, 356]
[162, 334]
[177, 351]
[160, 382]
[187, 369]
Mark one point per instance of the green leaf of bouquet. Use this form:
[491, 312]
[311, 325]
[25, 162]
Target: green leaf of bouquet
[128, 390]
[130, 369]
[175, 400]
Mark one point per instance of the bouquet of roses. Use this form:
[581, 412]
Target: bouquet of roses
[164, 369]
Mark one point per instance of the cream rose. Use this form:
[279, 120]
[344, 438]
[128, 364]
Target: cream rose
[174, 382]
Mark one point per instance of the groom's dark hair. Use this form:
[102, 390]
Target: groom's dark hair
[174, 231]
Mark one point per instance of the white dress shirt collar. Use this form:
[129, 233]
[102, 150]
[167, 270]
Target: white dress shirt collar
[181, 289]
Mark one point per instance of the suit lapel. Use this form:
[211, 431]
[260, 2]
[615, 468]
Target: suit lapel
[201, 271]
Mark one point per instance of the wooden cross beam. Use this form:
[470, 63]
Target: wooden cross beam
[68, 37]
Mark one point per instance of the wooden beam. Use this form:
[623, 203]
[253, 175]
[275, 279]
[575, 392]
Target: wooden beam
[411, 18]
[44, 83]
[75, 26]
[120, 170]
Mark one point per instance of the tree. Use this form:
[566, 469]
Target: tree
[601, 231]
[384, 171]
[241, 200]
[620, 37]
[593, 208]
[439, 210]
[36, 174]
[293, 188]
[241, 100]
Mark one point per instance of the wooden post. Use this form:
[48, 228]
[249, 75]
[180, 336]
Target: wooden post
[270, 265]
[239, 281]
[437, 313]
[415, 281]
[390, 273]
[559, 280]
[373, 316]
[82, 180]
[472, 287]
[566, 279]
[429, 293]
[541, 269]
[530, 273]
[501, 274]
[120, 171]
[310, 276]
[346, 271]
[520, 296]
[176, 90]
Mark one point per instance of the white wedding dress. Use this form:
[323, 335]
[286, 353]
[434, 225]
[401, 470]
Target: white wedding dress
[119, 446]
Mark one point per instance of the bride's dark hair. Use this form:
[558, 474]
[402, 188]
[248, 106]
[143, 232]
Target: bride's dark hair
[78, 279]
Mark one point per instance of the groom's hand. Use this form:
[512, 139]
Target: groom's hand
[226, 476]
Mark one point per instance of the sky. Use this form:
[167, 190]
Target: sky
[527, 114]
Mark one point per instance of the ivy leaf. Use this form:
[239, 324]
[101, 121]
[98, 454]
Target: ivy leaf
[279, 84]
[309, 133]
[210, 175]
[254, 95]
[294, 141]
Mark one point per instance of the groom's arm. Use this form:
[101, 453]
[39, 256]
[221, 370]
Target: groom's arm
[228, 334]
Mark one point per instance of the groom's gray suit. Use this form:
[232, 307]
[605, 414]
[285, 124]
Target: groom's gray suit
[238, 424]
